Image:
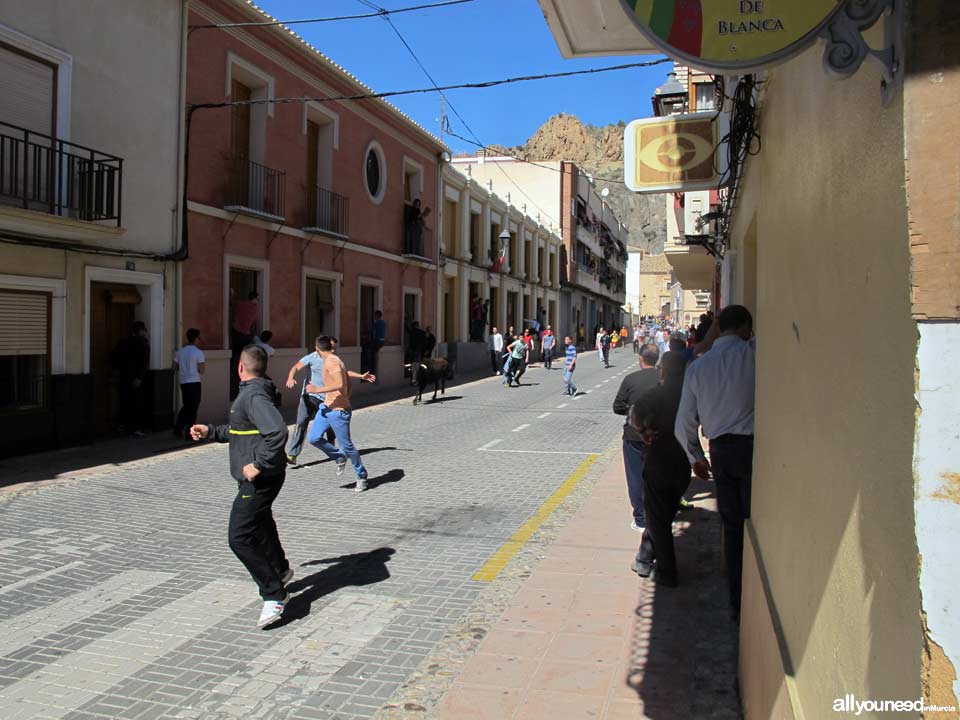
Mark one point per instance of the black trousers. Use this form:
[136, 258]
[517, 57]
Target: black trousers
[665, 480]
[548, 358]
[253, 535]
[495, 364]
[732, 459]
[187, 417]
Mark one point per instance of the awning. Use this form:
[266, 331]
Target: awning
[593, 28]
[693, 266]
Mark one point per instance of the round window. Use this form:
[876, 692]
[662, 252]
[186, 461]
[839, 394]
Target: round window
[373, 173]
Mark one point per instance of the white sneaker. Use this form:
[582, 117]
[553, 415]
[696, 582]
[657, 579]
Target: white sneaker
[287, 576]
[341, 464]
[272, 610]
[361, 484]
[634, 526]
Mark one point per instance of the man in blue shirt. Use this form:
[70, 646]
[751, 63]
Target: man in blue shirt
[309, 402]
[569, 365]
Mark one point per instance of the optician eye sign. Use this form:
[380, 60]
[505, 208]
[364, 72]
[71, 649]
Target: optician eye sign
[674, 153]
[722, 35]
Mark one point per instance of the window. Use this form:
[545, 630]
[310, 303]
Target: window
[369, 300]
[28, 87]
[319, 309]
[451, 226]
[412, 180]
[476, 251]
[24, 350]
[375, 172]
[706, 96]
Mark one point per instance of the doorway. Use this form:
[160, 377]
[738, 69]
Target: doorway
[450, 311]
[113, 310]
[495, 308]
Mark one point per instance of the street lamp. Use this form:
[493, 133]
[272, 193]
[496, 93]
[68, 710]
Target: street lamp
[670, 98]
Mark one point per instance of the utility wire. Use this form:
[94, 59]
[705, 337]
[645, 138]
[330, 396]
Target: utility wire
[454, 109]
[420, 91]
[380, 12]
[503, 153]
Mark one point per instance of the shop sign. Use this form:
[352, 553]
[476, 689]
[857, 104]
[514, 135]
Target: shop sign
[720, 36]
[677, 153]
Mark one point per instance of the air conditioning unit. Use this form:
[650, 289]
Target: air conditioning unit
[695, 204]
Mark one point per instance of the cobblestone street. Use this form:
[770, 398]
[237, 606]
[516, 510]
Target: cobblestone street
[121, 599]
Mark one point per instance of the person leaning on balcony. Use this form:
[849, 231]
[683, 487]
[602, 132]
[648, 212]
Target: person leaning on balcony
[718, 394]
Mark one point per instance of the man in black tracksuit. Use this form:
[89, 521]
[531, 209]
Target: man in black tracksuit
[257, 435]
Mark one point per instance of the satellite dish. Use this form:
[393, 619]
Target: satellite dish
[604, 192]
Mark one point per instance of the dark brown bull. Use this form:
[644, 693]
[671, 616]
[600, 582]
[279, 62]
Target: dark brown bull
[433, 370]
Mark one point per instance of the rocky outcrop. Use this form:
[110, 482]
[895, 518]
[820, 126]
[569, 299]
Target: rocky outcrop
[599, 151]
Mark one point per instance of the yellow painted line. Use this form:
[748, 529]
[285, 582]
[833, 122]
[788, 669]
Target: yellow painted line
[498, 561]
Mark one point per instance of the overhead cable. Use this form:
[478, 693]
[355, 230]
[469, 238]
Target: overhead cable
[441, 88]
[381, 12]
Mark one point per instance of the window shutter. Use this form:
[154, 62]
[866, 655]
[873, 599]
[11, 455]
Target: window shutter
[24, 323]
[26, 86]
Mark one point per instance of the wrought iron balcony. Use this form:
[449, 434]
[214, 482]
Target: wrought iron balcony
[418, 243]
[42, 173]
[327, 212]
[255, 189]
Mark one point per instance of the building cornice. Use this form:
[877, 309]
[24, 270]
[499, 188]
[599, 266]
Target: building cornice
[314, 56]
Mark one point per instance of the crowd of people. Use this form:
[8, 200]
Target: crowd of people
[691, 382]
[689, 379]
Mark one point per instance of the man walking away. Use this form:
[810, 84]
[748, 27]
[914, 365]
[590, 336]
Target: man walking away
[605, 341]
[666, 470]
[256, 434]
[547, 343]
[335, 412]
[633, 387]
[309, 402]
[718, 394]
[495, 345]
[189, 363]
[569, 365]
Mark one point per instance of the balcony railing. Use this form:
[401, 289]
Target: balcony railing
[39, 172]
[418, 243]
[255, 189]
[327, 212]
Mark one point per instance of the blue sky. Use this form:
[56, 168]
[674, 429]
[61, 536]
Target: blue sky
[480, 40]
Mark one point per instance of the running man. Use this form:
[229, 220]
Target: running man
[569, 365]
[516, 361]
[257, 434]
[309, 402]
[335, 413]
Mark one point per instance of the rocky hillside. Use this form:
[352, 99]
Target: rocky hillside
[599, 150]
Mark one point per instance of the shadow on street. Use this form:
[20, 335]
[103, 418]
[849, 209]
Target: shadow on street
[684, 645]
[345, 571]
[395, 475]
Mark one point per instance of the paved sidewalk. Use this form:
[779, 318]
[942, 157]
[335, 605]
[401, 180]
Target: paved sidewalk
[584, 637]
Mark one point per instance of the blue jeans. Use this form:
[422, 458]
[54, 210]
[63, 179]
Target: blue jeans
[634, 456]
[339, 420]
[568, 385]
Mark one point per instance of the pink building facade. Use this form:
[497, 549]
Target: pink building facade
[309, 204]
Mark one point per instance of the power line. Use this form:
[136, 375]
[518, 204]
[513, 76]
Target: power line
[503, 153]
[381, 12]
[454, 109]
[420, 91]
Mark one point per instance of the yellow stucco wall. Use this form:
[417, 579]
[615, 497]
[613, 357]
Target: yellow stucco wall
[833, 487]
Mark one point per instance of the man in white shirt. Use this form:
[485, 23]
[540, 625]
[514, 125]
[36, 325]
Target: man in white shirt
[189, 363]
[495, 345]
[718, 394]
